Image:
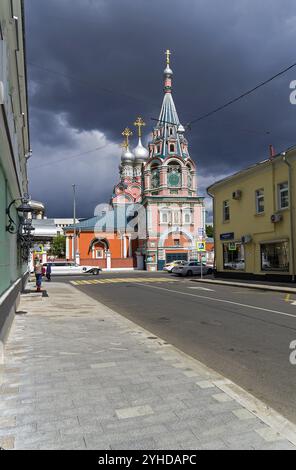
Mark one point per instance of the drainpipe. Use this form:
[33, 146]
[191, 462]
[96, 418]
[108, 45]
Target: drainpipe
[214, 231]
[292, 231]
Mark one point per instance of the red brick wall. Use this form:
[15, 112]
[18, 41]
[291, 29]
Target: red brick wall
[93, 262]
[123, 263]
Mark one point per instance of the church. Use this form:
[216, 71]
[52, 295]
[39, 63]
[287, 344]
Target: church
[155, 215]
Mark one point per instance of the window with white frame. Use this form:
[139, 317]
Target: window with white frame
[164, 216]
[283, 195]
[176, 217]
[259, 194]
[187, 217]
[99, 253]
[226, 211]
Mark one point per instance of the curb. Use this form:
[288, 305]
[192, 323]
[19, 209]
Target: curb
[291, 290]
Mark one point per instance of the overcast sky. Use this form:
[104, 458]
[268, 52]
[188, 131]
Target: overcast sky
[95, 65]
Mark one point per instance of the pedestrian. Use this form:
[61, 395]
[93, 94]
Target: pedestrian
[38, 275]
[48, 271]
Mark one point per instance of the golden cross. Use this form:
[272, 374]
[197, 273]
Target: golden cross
[139, 123]
[124, 145]
[126, 134]
[168, 53]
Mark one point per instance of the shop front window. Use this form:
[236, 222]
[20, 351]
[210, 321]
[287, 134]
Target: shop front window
[275, 256]
[233, 256]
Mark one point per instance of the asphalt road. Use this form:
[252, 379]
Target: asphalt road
[242, 333]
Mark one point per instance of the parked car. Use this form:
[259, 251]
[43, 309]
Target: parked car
[192, 268]
[66, 268]
[169, 266]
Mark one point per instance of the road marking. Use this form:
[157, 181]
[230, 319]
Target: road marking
[115, 280]
[287, 298]
[201, 288]
[253, 307]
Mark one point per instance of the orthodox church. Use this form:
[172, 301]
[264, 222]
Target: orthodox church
[155, 215]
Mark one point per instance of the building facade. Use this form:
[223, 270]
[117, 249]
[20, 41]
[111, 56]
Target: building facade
[14, 151]
[254, 220]
[157, 214]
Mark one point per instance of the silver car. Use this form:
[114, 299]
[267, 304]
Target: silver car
[192, 268]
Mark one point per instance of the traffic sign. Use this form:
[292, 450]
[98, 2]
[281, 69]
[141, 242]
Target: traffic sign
[201, 246]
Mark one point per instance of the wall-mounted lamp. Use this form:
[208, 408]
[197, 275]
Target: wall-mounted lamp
[24, 208]
[24, 229]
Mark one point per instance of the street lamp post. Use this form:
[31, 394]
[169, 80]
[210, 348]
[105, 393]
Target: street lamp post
[74, 221]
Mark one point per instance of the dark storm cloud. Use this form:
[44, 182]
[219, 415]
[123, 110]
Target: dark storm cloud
[99, 64]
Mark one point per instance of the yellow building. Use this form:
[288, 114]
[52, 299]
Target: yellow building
[254, 214]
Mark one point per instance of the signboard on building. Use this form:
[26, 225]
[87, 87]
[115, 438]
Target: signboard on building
[227, 236]
[161, 255]
[231, 246]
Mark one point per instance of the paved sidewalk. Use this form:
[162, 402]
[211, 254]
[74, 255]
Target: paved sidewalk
[80, 376]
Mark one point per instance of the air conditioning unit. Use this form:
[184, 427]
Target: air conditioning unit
[246, 238]
[237, 194]
[276, 218]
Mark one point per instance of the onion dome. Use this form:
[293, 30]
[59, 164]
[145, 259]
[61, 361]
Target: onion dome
[127, 156]
[141, 153]
[168, 70]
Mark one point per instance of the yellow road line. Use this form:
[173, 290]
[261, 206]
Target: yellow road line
[287, 298]
[122, 280]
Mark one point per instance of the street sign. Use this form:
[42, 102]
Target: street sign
[38, 249]
[232, 246]
[201, 246]
[201, 231]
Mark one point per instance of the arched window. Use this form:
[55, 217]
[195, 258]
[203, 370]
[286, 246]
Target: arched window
[172, 148]
[174, 174]
[155, 175]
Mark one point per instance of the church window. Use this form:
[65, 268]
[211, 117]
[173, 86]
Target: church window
[176, 241]
[155, 178]
[171, 131]
[172, 147]
[164, 217]
[99, 253]
[174, 175]
[176, 217]
[187, 218]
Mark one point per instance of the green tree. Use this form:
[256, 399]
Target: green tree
[58, 246]
[209, 231]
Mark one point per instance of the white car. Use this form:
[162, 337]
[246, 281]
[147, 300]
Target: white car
[192, 268]
[169, 266]
[66, 268]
